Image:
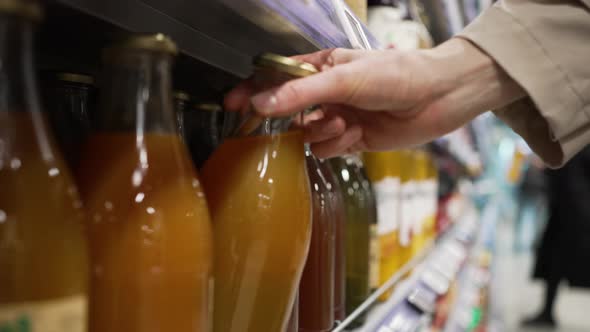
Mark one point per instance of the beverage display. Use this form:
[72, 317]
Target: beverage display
[407, 205]
[43, 250]
[340, 233]
[316, 291]
[257, 186]
[369, 197]
[69, 98]
[421, 202]
[384, 169]
[432, 201]
[149, 227]
[357, 239]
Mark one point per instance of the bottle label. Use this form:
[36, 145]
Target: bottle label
[408, 215]
[56, 315]
[374, 258]
[387, 193]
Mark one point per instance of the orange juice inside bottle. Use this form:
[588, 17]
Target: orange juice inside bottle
[149, 234]
[260, 205]
[43, 249]
[383, 169]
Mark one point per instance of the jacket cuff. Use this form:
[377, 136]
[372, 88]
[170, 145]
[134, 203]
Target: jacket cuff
[554, 123]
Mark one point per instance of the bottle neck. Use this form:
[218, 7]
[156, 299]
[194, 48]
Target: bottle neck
[18, 89]
[137, 95]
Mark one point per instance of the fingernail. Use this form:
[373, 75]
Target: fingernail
[265, 102]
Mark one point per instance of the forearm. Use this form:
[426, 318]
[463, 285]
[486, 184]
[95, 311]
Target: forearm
[469, 82]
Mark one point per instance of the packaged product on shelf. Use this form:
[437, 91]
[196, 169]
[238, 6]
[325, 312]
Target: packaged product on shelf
[69, 98]
[256, 183]
[149, 228]
[359, 8]
[407, 205]
[392, 25]
[421, 205]
[375, 253]
[43, 248]
[358, 235]
[339, 215]
[384, 170]
[316, 291]
[432, 200]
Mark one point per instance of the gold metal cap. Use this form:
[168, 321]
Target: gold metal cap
[28, 9]
[158, 43]
[208, 107]
[285, 64]
[181, 95]
[75, 78]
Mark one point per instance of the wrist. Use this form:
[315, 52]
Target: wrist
[470, 82]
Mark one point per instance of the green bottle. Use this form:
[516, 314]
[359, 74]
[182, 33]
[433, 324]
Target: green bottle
[358, 234]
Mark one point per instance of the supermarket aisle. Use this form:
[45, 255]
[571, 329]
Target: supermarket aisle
[521, 297]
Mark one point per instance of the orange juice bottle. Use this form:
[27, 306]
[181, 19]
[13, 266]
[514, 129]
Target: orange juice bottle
[258, 189]
[384, 170]
[43, 248]
[149, 229]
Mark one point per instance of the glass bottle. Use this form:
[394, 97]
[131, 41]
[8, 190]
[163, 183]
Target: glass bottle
[369, 195]
[69, 98]
[202, 130]
[149, 230]
[257, 186]
[407, 206]
[181, 105]
[43, 250]
[383, 169]
[293, 324]
[339, 215]
[421, 205]
[316, 291]
[358, 228]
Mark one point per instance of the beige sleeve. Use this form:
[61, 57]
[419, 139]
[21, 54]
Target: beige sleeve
[545, 46]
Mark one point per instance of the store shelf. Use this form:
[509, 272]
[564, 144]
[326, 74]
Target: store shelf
[430, 274]
[223, 33]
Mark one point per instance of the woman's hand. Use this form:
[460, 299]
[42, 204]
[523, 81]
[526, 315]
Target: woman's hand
[377, 100]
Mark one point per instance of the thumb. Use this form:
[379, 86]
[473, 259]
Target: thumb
[331, 86]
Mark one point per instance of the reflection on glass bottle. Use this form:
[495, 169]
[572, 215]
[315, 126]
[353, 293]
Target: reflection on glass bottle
[182, 102]
[316, 291]
[257, 186]
[69, 98]
[293, 325]
[358, 234]
[202, 130]
[43, 250]
[339, 215]
[149, 229]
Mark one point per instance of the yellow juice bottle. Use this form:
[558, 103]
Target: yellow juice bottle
[384, 170]
[421, 205]
[407, 206]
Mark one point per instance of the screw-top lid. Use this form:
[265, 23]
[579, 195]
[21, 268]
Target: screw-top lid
[284, 64]
[28, 9]
[75, 78]
[156, 43]
[208, 107]
[182, 96]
